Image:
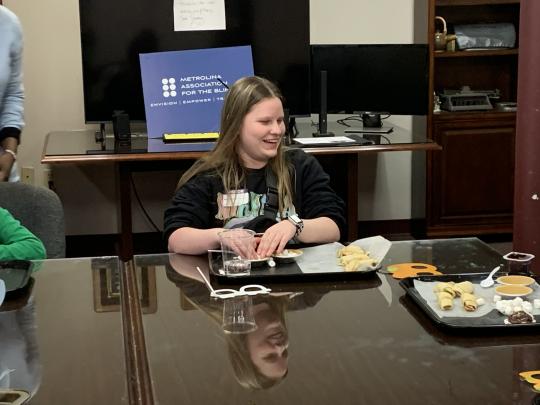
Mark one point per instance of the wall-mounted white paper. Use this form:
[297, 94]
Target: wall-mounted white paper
[199, 15]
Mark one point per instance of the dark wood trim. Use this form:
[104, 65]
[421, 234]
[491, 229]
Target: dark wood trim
[473, 116]
[138, 372]
[394, 229]
[125, 225]
[527, 215]
[161, 156]
[473, 2]
[472, 54]
[106, 244]
[468, 230]
[352, 195]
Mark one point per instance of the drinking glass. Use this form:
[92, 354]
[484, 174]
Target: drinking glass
[237, 246]
[238, 315]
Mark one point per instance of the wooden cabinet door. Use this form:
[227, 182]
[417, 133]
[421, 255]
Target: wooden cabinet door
[472, 179]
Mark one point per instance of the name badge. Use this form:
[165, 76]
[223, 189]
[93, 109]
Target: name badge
[236, 198]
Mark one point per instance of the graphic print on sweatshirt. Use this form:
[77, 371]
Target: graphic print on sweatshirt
[240, 206]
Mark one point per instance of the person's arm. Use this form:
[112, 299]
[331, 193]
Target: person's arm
[319, 207]
[11, 117]
[319, 230]
[16, 241]
[193, 241]
[316, 230]
[188, 223]
[8, 152]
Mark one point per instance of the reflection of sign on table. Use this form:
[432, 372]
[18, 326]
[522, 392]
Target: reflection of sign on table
[183, 90]
[107, 281]
[199, 15]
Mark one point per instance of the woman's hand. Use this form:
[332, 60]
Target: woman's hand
[241, 242]
[275, 238]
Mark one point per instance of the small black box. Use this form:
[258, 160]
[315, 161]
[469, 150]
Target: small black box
[121, 126]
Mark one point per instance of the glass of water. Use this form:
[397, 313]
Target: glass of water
[238, 315]
[237, 246]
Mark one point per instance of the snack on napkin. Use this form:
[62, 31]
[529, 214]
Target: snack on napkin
[445, 300]
[463, 287]
[469, 302]
[446, 287]
[354, 257]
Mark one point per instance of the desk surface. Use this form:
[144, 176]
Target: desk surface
[61, 344]
[355, 342]
[81, 147]
[351, 342]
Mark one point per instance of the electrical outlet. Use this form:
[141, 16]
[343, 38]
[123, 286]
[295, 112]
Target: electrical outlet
[48, 179]
[27, 175]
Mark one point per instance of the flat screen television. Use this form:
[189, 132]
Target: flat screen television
[379, 78]
[113, 33]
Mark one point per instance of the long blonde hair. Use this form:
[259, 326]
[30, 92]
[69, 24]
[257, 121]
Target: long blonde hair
[224, 159]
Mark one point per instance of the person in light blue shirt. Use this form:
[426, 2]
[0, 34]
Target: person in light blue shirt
[11, 93]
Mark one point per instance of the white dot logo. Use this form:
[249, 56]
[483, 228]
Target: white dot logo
[168, 87]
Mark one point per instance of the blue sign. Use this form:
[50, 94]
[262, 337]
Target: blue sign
[183, 90]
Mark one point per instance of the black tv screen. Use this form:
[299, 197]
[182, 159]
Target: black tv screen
[379, 78]
[113, 33]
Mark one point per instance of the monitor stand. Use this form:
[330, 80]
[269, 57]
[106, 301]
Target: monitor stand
[323, 112]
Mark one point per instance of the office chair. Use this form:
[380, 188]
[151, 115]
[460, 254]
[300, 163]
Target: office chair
[40, 210]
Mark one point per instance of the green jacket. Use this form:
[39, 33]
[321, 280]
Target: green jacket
[17, 242]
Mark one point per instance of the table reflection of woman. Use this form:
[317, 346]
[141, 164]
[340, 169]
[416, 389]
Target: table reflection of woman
[259, 358]
[20, 368]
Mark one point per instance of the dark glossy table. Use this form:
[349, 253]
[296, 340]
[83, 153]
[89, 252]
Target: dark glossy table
[340, 162]
[350, 342]
[62, 334]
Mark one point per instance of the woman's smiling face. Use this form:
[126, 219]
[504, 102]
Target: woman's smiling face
[261, 133]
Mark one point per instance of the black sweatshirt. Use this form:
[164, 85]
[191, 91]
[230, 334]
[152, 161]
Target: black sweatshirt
[200, 203]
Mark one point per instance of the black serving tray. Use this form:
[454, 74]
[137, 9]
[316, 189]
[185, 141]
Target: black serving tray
[282, 273]
[494, 319]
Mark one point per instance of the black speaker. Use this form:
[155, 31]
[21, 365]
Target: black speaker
[323, 111]
[121, 126]
[371, 120]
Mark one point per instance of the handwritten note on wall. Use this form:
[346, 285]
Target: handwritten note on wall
[199, 15]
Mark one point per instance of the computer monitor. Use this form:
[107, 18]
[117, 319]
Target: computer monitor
[379, 78]
[115, 32]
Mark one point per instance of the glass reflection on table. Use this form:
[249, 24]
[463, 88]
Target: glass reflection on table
[20, 366]
[54, 345]
[356, 341]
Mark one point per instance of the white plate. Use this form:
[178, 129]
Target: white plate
[288, 255]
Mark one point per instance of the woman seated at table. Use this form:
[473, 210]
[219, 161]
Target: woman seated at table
[249, 168]
[16, 241]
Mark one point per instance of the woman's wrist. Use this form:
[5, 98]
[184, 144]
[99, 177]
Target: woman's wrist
[11, 153]
[216, 232]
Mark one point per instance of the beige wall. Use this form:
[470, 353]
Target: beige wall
[54, 101]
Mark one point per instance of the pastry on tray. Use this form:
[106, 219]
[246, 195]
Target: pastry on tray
[463, 287]
[445, 287]
[445, 300]
[469, 302]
